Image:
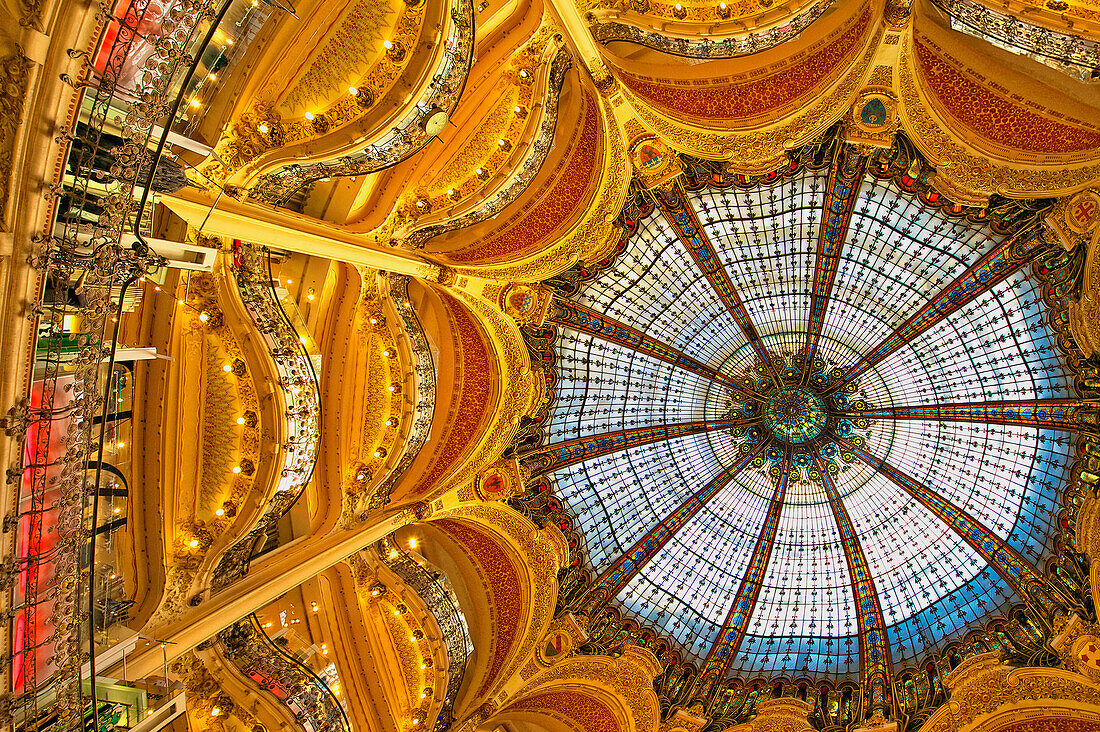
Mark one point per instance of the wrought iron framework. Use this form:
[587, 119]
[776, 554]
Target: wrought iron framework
[613, 355]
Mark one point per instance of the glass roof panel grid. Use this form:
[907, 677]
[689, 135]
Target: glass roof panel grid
[911, 553]
[1036, 525]
[603, 386]
[703, 564]
[997, 347]
[824, 657]
[654, 286]
[806, 589]
[617, 498]
[928, 631]
[667, 611]
[998, 474]
[897, 256]
[766, 238]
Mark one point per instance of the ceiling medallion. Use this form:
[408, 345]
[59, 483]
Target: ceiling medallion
[796, 415]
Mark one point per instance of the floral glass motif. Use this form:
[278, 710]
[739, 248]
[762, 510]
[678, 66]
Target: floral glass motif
[896, 256]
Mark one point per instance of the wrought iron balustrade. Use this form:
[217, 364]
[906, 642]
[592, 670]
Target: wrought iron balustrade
[437, 593]
[527, 170]
[1072, 55]
[301, 391]
[406, 138]
[292, 683]
[424, 397]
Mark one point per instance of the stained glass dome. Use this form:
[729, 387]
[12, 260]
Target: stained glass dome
[812, 423]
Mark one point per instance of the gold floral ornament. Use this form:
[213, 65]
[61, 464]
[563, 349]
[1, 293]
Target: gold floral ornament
[254, 133]
[654, 162]
[1075, 222]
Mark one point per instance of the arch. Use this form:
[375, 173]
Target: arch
[558, 196]
[749, 91]
[504, 572]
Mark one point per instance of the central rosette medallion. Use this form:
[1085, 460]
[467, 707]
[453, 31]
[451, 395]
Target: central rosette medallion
[795, 415]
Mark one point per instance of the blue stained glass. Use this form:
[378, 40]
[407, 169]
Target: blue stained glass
[930, 584]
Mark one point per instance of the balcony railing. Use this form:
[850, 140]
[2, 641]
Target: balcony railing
[301, 392]
[275, 670]
[408, 136]
[435, 590]
[1069, 54]
[424, 396]
[728, 47]
[527, 170]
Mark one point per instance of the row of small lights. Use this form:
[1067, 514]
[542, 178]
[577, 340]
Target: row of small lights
[503, 143]
[204, 317]
[723, 9]
[417, 634]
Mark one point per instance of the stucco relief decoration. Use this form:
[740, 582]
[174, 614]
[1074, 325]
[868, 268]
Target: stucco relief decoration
[526, 304]
[1086, 653]
[654, 162]
[972, 177]
[982, 686]
[499, 481]
[1075, 222]
[873, 119]
[1083, 212]
[779, 715]
[564, 635]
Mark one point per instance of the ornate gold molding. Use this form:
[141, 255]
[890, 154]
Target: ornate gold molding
[964, 170]
[593, 234]
[543, 552]
[982, 687]
[761, 151]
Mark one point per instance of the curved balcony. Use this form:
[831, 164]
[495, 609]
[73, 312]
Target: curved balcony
[301, 393]
[274, 670]
[408, 136]
[435, 590]
[769, 28]
[1074, 55]
[424, 394]
[524, 173]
